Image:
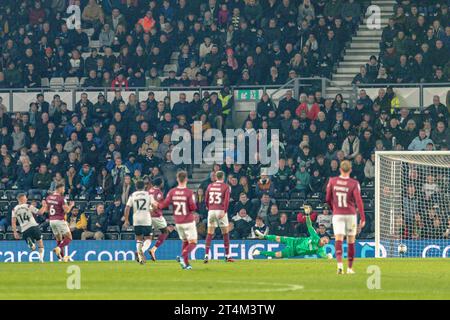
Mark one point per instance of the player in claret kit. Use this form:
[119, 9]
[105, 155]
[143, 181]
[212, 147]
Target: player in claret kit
[24, 214]
[158, 220]
[343, 196]
[217, 199]
[58, 208]
[183, 203]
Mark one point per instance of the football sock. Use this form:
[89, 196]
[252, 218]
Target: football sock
[162, 237]
[138, 245]
[184, 246]
[147, 244]
[338, 247]
[208, 242]
[41, 254]
[351, 254]
[226, 242]
[64, 243]
[187, 250]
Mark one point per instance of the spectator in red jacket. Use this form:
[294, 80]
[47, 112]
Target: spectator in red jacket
[120, 82]
[37, 14]
[311, 108]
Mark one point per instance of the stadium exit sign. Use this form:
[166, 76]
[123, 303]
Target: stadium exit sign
[248, 94]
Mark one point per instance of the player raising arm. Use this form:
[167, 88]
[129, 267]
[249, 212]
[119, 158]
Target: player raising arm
[183, 203]
[343, 196]
[140, 201]
[24, 214]
[217, 198]
[158, 220]
[58, 208]
[297, 246]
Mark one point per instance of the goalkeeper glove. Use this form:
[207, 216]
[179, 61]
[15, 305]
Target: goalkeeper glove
[307, 209]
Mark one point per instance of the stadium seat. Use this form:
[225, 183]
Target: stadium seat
[93, 205]
[127, 229]
[283, 204]
[298, 195]
[127, 236]
[47, 236]
[35, 196]
[11, 194]
[113, 229]
[97, 197]
[94, 44]
[111, 236]
[170, 67]
[174, 56]
[56, 83]
[281, 195]
[45, 82]
[71, 83]
[2, 236]
[89, 32]
[9, 236]
[82, 205]
[295, 204]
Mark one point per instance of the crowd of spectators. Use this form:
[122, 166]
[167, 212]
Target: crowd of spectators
[415, 46]
[227, 42]
[101, 148]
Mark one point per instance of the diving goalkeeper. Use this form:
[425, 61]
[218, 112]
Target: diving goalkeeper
[297, 246]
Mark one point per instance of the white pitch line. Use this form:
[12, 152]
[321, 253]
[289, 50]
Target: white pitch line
[287, 287]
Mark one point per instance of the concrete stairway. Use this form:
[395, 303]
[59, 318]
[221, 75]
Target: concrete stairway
[364, 44]
[201, 172]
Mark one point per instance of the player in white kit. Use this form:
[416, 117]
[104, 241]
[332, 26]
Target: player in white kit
[23, 213]
[140, 201]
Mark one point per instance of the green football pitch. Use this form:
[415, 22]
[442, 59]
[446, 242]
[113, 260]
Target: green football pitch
[257, 279]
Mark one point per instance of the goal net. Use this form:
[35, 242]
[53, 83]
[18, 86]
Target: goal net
[412, 204]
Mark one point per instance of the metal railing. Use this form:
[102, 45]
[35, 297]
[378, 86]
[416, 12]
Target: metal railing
[419, 86]
[294, 84]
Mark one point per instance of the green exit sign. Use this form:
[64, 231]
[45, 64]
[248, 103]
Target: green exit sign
[248, 95]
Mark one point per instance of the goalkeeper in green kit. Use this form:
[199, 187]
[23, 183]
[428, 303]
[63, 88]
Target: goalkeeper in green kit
[297, 246]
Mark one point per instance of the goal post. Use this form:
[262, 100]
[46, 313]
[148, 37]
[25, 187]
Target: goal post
[412, 204]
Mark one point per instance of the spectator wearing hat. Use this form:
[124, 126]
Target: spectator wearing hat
[132, 164]
[86, 180]
[105, 184]
[102, 110]
[350, 146]
[115, 213]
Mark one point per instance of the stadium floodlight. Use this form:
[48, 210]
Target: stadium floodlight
[412, 204]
